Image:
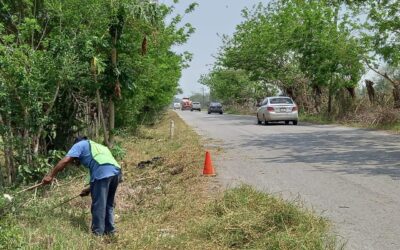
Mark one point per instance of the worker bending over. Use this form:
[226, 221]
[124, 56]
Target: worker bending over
[105, 174]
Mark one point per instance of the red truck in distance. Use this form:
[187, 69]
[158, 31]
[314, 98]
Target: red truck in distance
[186, 104]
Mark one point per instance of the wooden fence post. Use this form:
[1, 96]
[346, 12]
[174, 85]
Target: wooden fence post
[171, 129]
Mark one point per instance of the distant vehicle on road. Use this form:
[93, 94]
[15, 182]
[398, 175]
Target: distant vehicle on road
[177, 105]
[277, 108]
[186, 104]
[215, 107]
[196, 106]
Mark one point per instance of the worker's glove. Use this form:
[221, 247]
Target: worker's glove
[47, 180]
[85, 192]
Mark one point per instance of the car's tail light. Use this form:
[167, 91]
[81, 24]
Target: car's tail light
[294, 108]
[270, 109]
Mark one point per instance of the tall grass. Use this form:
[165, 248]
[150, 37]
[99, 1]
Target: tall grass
[160, 208]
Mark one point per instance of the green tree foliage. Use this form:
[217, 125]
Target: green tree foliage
[328, 55]
[64, 63]
[234, 86]
[383, 41]
[299, 46]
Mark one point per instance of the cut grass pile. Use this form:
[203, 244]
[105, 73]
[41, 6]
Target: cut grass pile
[165, 204]
[248, 219]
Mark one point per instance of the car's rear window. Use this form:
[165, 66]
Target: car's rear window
[215, 104]
[280, 101]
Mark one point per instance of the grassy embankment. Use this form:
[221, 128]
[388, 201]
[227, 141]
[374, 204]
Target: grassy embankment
[165, 205]
[393, 127]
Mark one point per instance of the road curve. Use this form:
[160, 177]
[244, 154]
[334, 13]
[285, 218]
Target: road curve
[351, 176]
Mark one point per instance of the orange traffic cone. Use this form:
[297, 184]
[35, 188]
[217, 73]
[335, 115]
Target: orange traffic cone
[208, 167]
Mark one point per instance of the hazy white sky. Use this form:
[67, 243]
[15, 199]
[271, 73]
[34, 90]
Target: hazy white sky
[212, 18]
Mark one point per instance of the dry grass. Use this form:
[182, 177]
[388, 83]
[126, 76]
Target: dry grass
[373, 116]
[166, 205]
[153, 204]
[362, 116]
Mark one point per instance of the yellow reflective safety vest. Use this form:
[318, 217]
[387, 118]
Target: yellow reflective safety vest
[102, 155]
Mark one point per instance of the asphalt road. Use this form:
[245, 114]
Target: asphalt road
[350, 176]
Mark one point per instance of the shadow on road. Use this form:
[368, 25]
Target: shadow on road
[351, 151]
[234, 120]
[237, 120]
[325, 147]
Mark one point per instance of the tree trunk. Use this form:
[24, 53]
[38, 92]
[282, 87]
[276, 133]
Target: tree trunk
[36, 139]
[352, 92]
[330, 101]
[370, 90]
[99, 104]
[111, 114]
[8, 150]
[87, 129]
[111, 122]
[96, 125]
[9, 157]
[7, 161]
[290, 92]
[1, 178]
[395, 83]
[100, 108]
[115, 32]
[317, 98]
[396, 95]
[144, 46]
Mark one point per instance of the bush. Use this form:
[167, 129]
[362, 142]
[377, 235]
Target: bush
[42, 165]
[118, 151]
[380, 116]
[10, 234]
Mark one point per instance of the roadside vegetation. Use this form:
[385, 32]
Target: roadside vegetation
[339, 60]
[69, 68]
[163, 203]
[108, 70]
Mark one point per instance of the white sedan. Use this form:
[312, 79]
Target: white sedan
[177, 105]
[278, 108]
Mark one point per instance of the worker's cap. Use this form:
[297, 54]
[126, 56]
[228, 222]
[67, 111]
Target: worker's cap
[80, 138]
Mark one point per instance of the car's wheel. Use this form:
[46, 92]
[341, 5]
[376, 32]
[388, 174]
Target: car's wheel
[209, 112]
[199, 110]
[265, 121]
[221, 113]
[258, 121]
[287, 122]
[294, 122]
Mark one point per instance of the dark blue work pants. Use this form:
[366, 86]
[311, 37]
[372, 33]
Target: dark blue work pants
[103, 194]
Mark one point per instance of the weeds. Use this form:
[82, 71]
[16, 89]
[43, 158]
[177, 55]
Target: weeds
[159, 208]
[381, 118]
[10, 233]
